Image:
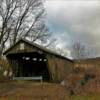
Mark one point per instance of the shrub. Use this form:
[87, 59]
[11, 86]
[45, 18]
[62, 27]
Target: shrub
[1, 72]
[4, 66]
[88, 76]
[82, 82]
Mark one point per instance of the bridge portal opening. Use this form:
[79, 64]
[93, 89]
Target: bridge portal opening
[30, 65]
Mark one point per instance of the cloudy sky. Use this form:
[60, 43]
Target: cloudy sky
[75, 20]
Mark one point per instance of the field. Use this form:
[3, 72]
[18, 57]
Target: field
[29, 90]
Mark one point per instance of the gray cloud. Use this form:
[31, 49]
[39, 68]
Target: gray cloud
[76, 20]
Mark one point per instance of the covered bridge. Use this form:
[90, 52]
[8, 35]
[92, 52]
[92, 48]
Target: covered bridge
[31, 60]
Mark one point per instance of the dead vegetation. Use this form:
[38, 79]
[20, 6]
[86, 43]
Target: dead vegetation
[29, 90]
[84, 81]
[80, 82]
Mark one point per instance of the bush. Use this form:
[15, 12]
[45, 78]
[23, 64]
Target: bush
[4, 66]
[82, 82]
[88, 76]
[1, 73]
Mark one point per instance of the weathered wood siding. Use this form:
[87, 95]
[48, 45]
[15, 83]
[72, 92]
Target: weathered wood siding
[60, 68]
[27, 48]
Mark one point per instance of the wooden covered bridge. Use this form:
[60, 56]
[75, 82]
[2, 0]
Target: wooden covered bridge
[31, 60]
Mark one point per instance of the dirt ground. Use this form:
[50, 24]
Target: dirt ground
[28, 90]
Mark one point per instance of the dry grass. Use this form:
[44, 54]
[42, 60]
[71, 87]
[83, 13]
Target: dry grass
[29, 90]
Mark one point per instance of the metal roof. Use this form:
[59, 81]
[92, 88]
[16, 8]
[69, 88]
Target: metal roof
[37, 46]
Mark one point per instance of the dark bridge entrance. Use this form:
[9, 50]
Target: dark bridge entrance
[30, 65]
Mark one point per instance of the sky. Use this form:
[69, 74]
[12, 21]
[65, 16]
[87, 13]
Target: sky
[75, 21]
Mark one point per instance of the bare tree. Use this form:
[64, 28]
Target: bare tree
[21, 19]
[79, 51]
